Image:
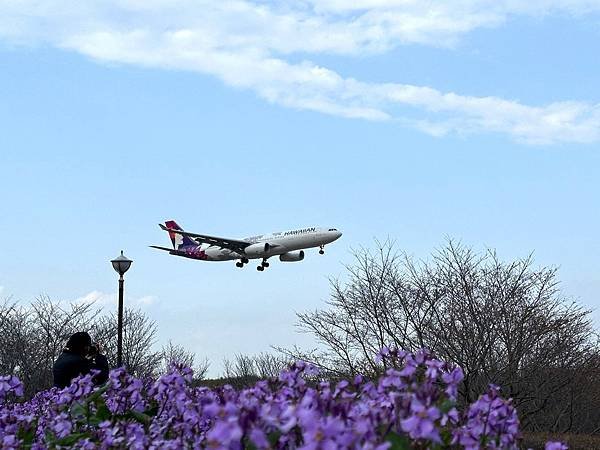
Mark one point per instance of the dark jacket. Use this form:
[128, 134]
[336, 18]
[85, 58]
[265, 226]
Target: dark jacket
[70, 365]
[100, 363]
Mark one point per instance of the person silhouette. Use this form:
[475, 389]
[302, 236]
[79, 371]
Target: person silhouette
[79, 357]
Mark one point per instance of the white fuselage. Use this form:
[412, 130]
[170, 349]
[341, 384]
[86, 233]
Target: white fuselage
[279, 243]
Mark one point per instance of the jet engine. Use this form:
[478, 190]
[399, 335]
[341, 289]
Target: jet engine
[258, 250]
[292, 256]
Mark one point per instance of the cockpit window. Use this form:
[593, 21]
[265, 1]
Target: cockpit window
[333, 229]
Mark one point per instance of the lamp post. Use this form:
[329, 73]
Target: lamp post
[121, 265]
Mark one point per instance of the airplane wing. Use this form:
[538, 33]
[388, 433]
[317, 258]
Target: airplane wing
[161, 248]
[235, 245]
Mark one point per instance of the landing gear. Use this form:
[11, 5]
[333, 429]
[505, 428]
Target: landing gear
[321, 251]
[263, 264]
[241, 262]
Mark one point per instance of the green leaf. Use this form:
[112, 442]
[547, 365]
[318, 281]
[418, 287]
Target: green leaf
[50, 438]
[27, 435]
[248, 445]
[97, 394]
[139, 417]
[447, 405]
[72, 439]
[152, 411]
[102, 412]
[398, 442]
[273, 438]
[78, 410]
[446, 436]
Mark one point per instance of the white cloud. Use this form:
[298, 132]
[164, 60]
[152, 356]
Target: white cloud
[248, 45]
[105, 300]
[146, 300]
[97, 298]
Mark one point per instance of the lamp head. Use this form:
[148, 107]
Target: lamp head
[121, 264]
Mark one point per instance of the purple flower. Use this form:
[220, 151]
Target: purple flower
[382, 354]
[10, 384]
[421, 423]
[10, 441]
[434, 368]
[125, 392]
[489, 418]
[224, 433]
[453, 379]
[259, 438]
[555, 446]
[415, 398]
[62, 425]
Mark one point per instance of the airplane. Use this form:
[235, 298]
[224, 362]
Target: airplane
[288, 245]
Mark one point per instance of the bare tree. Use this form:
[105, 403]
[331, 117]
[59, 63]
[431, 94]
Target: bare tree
[503, 323]
[242, 366]
[13, 328]
[34, 336]
[269, 365]
[139, 338]
[173, 353]
[245, 370]
[201, 369]
[51, 324]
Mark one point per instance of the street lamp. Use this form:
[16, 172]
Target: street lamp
[121, 265]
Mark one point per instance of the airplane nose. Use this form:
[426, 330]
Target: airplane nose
[338, 234]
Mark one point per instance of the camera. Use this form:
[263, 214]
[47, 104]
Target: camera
[94, 349]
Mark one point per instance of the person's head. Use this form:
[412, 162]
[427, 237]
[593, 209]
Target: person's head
[79, 342]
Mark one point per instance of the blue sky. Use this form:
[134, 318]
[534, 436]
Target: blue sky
[475, 120]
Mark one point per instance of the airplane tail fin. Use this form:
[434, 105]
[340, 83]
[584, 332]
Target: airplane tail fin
[178, 240]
